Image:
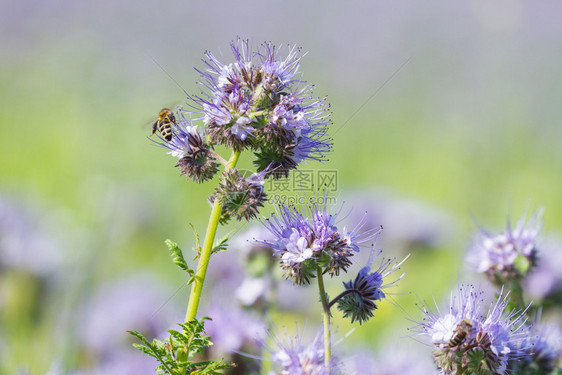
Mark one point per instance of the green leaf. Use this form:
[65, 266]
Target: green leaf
[522, 264]
[222, 245]
[177, 257]
[145, 350]
[197, 248]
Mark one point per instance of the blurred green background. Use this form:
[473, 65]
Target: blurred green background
[456, 105]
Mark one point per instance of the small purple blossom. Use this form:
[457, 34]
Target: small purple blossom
[508, 256]
[360, 297]
[307, 238]
[466, 338]
[241, 127]
[241, 196]
[195, 159]
[544, 282]
[292, 357]
[132, 302]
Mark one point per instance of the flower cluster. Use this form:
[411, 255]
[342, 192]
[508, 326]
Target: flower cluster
[295, 358]
[507, 257]
[196, 160]
[258, 102]
[241, 196]
[359, 300]
[541, 349]
[305, 241]
[466, 341]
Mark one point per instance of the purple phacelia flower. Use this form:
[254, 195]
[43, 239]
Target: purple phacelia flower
[132, 302]
[258, 102]
[307, 239]
[233, 329]
[292, 357]
[28, 238]
[408, 223]
[507, 257]
[466, 339]
[541, 351]
[359, 299]
[195, 158]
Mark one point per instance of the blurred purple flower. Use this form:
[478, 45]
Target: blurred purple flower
[26, 242]
[225, 274]
[292, 357]
[466, 336]
[246, 243]
[252, 291]
[122, 362]
[232, 329]
[545, 280]
[542, 351]
[507, 257]
[394, 359]
[136, 303]
[407, 222]
[195, 159]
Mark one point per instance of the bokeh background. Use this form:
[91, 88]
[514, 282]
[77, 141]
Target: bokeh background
[442, 112]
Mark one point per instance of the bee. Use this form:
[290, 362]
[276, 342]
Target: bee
[463, 329]
[164, 123]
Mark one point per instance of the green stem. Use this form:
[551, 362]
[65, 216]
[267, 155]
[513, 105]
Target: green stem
[326, 315]
[205, 255]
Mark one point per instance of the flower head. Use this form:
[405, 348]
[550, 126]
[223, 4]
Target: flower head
[195, 159]
[241, 196]
[307, 238]
[360, 297]
[233, 329]
[508, 256]
[292, 357]
[466, 337]
[541, 351]
[259, 102]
